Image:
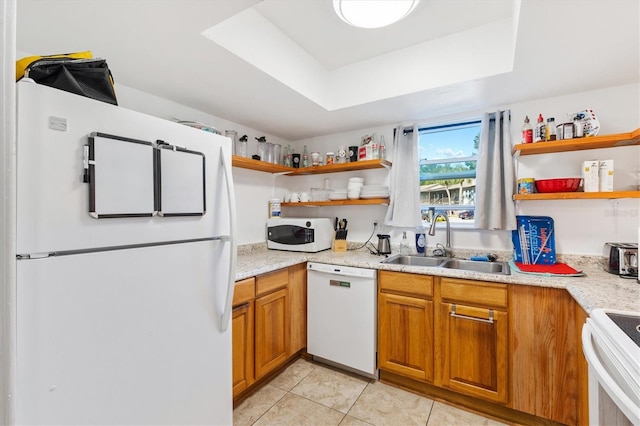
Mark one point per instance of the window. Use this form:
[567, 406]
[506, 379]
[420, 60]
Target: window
[448, 157]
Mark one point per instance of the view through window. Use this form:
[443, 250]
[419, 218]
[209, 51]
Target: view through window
[448, 157]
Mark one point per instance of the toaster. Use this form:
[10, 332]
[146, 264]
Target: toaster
[621, 259]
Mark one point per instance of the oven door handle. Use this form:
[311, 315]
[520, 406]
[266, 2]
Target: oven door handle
[626, 405]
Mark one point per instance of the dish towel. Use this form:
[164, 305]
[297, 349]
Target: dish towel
[557, 269]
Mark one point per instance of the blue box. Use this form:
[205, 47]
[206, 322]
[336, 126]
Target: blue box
[533, 241]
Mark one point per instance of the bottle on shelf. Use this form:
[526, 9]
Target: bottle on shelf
[527, 131]
[551, 129]
[404, 244]
[538, 134]
[382, 148]
[305, 157]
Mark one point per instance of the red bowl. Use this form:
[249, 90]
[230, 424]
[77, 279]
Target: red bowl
[558, 185]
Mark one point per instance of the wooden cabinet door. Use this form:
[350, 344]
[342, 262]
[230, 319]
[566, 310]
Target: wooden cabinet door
[546, 350]
[271, 331]
[242, 331]
[473, 351]
[298, 303]
[405, 336]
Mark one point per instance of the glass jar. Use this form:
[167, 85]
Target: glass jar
[330, 158]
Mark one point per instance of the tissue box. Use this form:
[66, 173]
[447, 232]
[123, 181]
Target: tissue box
[605, 176]
[590, 176]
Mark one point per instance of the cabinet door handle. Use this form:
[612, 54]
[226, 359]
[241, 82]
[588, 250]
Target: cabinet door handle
[238, 307]
[487, 320]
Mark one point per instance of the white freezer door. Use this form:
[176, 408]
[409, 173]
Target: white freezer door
[124, 337]
[53, 201]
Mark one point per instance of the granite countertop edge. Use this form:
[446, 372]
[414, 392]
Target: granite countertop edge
[597, 289]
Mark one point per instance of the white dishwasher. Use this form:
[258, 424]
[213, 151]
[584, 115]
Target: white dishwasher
[342, 316]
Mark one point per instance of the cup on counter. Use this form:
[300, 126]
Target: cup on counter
[295, 197]
[304, 197]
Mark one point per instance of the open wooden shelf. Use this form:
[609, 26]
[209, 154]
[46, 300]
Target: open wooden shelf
[358, 202]
[262, 166]
[578, 195]
[344, 167]
[578, 144]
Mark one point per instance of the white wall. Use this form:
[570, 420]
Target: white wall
[582, 226]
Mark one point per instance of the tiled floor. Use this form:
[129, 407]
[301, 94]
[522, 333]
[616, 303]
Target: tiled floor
[307, 394]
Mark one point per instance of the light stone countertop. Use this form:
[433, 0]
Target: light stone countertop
[598, 289]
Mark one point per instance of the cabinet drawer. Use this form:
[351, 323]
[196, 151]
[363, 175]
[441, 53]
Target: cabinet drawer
[474, 292]
[403, 283]
[272, 281]
[244, 291]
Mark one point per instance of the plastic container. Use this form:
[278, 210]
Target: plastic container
[526, 186]
[275, 208]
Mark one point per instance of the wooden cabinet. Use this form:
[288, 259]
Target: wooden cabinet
[472, 338]
[242, 332]
[405, 324]
[545, 351]
[271, 321]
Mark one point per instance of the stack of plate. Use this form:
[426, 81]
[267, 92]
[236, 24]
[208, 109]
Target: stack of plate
[374, 191]
[353, 187]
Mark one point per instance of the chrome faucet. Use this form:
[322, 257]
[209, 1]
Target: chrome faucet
[432, 231]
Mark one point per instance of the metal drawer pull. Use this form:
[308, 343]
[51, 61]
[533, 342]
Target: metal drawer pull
[488, 321]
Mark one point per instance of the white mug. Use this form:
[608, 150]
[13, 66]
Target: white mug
[304, 197]
[295, 197]
[287, 197]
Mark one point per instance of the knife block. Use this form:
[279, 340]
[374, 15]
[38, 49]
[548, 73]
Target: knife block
[339, 246]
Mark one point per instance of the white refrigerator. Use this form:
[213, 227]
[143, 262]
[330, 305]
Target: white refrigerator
[125, 266]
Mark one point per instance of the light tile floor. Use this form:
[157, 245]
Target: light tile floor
[307, 393]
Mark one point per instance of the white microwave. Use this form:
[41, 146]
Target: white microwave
[299, 234]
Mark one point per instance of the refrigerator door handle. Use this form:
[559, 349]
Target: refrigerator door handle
[226, 314]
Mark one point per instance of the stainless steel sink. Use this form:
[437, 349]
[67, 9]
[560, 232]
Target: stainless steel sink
[475, 266]
[449, 263]
[409, 260]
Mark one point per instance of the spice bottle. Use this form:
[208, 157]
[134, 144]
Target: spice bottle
[538, 134]
[551, 129]
[527, 131]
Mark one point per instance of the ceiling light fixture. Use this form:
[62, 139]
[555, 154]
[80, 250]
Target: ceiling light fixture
[373, 13]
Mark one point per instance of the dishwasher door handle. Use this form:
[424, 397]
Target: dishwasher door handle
[338, 283]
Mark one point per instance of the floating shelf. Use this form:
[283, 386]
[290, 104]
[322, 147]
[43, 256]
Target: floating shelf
[579, 144]
[261, 166]
[251, 164]
[578, 195]
[358, 202]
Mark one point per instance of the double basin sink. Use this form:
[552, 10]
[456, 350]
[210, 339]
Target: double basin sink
[450, 263]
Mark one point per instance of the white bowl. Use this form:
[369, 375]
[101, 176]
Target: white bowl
[353, 195]
[356, 179]
[354, 186]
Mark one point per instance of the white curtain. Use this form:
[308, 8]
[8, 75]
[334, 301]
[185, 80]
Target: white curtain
[404, 205]
[495, 178]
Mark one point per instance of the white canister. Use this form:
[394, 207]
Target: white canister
[275, 208]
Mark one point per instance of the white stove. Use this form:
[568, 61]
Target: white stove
[611, 344]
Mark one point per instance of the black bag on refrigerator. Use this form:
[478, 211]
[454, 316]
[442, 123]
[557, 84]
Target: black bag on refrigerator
[85, 77]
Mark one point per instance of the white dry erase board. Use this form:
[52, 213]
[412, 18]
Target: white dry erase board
[121, 177]
[181, 181]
